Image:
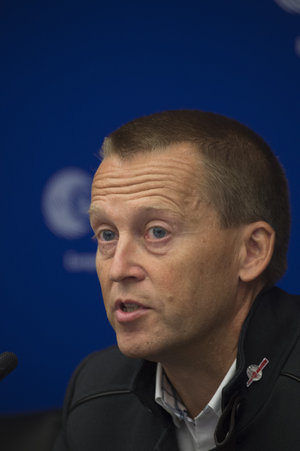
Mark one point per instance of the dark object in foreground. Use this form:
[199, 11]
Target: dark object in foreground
[29, 431]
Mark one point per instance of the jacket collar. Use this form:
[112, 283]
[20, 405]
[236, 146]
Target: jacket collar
[269, 332]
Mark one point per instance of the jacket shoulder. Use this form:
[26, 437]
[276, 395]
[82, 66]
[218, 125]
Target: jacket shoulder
[106, 406]
[103, 371]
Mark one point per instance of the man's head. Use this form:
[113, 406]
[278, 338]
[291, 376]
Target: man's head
[183, 239]
[244, 180]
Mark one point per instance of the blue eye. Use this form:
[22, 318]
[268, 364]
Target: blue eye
[158, 232]
[107, 235]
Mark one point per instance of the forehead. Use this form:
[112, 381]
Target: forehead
[171, 176]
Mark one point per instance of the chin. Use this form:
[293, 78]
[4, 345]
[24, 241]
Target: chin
[138, 350]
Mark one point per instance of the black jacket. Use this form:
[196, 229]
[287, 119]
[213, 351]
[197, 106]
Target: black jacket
[110, 400]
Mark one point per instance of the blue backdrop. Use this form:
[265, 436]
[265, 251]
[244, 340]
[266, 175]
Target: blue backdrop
[71, 73]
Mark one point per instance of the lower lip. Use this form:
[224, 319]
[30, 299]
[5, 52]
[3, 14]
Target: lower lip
[127, 317]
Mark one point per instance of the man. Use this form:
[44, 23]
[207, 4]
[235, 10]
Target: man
[191, 214]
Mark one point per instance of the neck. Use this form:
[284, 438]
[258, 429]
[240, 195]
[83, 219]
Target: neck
[197, 371]
[197, 378]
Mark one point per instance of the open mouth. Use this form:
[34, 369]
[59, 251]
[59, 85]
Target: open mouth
[129, 307]
[128, 310]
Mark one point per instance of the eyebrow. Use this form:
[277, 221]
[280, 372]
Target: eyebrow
[96, 211]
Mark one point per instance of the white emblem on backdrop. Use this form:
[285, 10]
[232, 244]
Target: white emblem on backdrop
[65, 203]
[79, 261]
[291, 6]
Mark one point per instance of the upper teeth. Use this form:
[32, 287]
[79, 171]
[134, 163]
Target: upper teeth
[129, 307]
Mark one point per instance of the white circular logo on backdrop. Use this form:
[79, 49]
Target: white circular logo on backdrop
[65, 203]
[291, 6]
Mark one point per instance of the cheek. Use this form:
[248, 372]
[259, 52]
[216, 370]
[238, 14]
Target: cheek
[102, 264]
[102, 273]
[192, 275]
[178, 281]
[189, 265]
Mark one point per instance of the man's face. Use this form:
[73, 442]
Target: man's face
[168, 272]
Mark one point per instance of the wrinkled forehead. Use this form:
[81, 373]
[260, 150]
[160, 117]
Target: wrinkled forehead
[177, 167]
[169, 180]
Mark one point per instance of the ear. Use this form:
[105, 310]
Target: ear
[256, 250]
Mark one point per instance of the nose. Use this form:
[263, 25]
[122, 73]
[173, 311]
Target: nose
[126, 262]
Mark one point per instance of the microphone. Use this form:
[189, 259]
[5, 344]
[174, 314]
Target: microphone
[8, 362]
